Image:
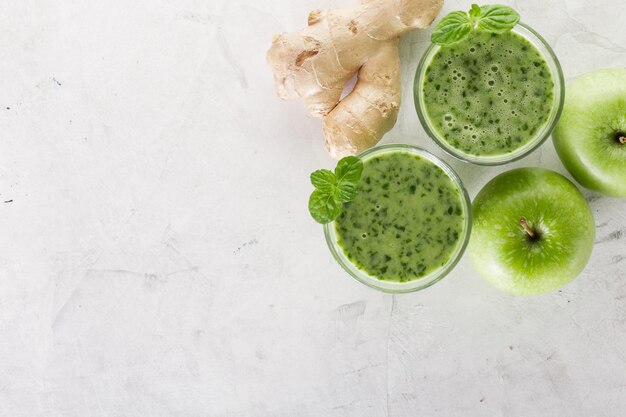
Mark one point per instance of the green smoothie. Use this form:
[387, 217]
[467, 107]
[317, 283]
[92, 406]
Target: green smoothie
[488, 94]
[405, 221]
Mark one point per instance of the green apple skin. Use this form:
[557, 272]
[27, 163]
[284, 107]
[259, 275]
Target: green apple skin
[585, 137]
[503, 253]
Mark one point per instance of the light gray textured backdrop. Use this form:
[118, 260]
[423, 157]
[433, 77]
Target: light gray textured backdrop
[157, 257]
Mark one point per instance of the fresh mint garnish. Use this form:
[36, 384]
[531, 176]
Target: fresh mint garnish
[324, 181]
[474, 12]
[348, 172]
[452, 28]
[349, 169]
[497, 19]
[334, 189]
[455, 26]
[324, 207]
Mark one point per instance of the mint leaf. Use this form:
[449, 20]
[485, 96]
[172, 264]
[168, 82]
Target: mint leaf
[492, 18]
[349, 170]
[452, 28]
[348, 173]
[346, 192]
[324, 180]
[334, 189]
[324, 207]
[496, 18]
[474, 12]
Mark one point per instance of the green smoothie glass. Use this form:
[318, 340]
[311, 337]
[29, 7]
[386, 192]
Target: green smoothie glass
[408, 224]
[490, 98]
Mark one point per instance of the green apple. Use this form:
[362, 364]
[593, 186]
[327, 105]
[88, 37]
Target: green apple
[590, 137]
[532, 231]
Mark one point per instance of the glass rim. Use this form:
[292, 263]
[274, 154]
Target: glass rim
[438, 274]
[538, 139]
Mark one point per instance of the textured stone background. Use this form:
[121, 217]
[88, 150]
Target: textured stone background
[157, 257]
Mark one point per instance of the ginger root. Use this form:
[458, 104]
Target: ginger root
[316, 62]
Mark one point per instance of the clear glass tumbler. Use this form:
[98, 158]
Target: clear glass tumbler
[437, 274]
[538, 138]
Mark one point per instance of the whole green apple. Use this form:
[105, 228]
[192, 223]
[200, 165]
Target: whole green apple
[590, 137]
[532, 231]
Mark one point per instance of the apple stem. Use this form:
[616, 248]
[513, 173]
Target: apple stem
[526, 227]
[622, 139]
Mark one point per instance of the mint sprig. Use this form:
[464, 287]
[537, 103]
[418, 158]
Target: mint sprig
[334, 189]
[455, 26]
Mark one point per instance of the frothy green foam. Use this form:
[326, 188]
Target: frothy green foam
[488, 94]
